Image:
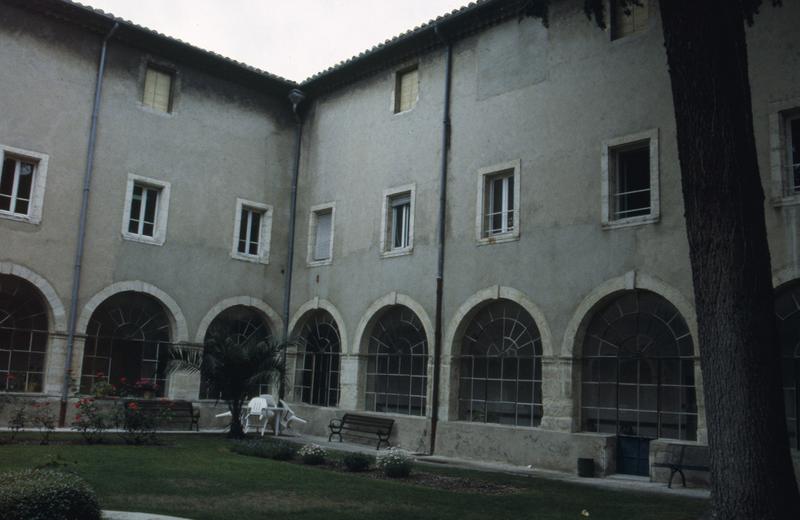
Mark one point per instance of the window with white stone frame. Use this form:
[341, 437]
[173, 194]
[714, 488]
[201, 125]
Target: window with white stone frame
[630, 194]
[320, 234]
[406, 90]
[398, 221]
[146, 210]
[22, 182]
[785, 150]
[498, 203]
[251, 231]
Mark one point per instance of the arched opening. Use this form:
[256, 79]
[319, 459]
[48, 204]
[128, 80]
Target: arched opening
[397, 363]
[241, 324]
[316, 379]
[637, 375]
[127, 344]
[787, 310]
[23, 335]
[500, 367]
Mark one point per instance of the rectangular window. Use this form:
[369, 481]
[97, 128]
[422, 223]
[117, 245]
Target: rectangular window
[631, 181]
[406, 90]
[630, 191]
[793, 154]
[146, 210]
[16, 185]
[252, 229]
[401, 217]
[320, 234]
[144, 206]
[498, 203]
[157, 89]
[249, 231]
[628, 19]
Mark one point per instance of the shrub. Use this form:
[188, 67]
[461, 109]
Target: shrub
[17, 420]
[312, 454]
[356, 462]
[43, 419]
[395, 463]
[46, 495]
[276, 450]
[90, 421]
[139, 426]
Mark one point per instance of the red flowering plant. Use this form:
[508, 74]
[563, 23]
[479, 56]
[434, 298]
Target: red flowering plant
[42, 417]
[90, 420]
[145, 386]
[139, 423]
[102, 387]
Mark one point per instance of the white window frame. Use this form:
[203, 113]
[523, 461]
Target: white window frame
[609, 148]
[264, 235]
[780, 173]
[312, 233]
[36, 202]
[481, 233]
[387, 221]
[396, 91]
[162, 210]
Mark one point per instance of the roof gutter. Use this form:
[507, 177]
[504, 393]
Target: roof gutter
[87, 183]
[445, 150]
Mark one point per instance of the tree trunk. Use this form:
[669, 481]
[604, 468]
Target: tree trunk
[237, 429]
[751, 469]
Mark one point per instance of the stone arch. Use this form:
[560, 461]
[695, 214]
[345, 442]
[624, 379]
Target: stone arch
[784, 276]
[573, 334]
[177, 319]
[272, 318]
[312, 305]
[55, 355]
[361, 339]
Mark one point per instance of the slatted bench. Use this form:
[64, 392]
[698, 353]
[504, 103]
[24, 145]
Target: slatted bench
[362, 426]
[676, 457]
[172, 415]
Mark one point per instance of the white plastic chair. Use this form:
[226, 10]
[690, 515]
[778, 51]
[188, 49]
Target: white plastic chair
[288, 416]
[257, 415]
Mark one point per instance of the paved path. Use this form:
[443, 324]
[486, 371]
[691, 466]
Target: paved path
[123, 515]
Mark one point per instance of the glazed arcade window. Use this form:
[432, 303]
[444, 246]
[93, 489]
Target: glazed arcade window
[146, 210]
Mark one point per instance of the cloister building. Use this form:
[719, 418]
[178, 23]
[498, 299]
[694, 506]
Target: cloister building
[475, 228]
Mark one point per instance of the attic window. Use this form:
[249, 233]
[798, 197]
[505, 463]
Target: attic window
[406, 89]
[158, 89]
[628, 19]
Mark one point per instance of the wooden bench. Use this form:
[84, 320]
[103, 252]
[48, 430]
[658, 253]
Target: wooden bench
[171, 415]
[676, 460]
[362, 424]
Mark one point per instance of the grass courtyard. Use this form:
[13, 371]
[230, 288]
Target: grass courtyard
[200, 478]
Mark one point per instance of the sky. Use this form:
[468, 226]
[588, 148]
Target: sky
[291, 38]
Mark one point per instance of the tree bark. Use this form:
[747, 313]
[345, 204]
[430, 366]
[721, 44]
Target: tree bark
[751, 470]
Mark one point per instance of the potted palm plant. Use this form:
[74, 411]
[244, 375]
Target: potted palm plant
[234, 367]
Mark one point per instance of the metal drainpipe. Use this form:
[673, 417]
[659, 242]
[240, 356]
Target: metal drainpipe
[296, 96]
[87, 182]
[437, 338]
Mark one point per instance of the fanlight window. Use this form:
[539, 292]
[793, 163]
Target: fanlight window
[787, 309]
[241, 324]
[500, 378]
[638, 370]
[23, 336]
[127, 341]
[316, 379]
[397, 363]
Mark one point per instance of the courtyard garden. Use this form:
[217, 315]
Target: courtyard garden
[211, 477]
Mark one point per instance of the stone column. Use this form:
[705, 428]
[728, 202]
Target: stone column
[559, 408]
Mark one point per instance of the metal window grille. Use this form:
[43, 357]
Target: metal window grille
[144, 209]
[499, 211]
[400, 221]
[397, 364]
[787, 309]
[242, 324]
[249, 231]
[23, 336]
[638, 370]
[316, 378]
[630, 190]
[16, 185]
[128, 340]
[500, 367]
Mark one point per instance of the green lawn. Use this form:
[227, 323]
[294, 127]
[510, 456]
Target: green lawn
[198, 477]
